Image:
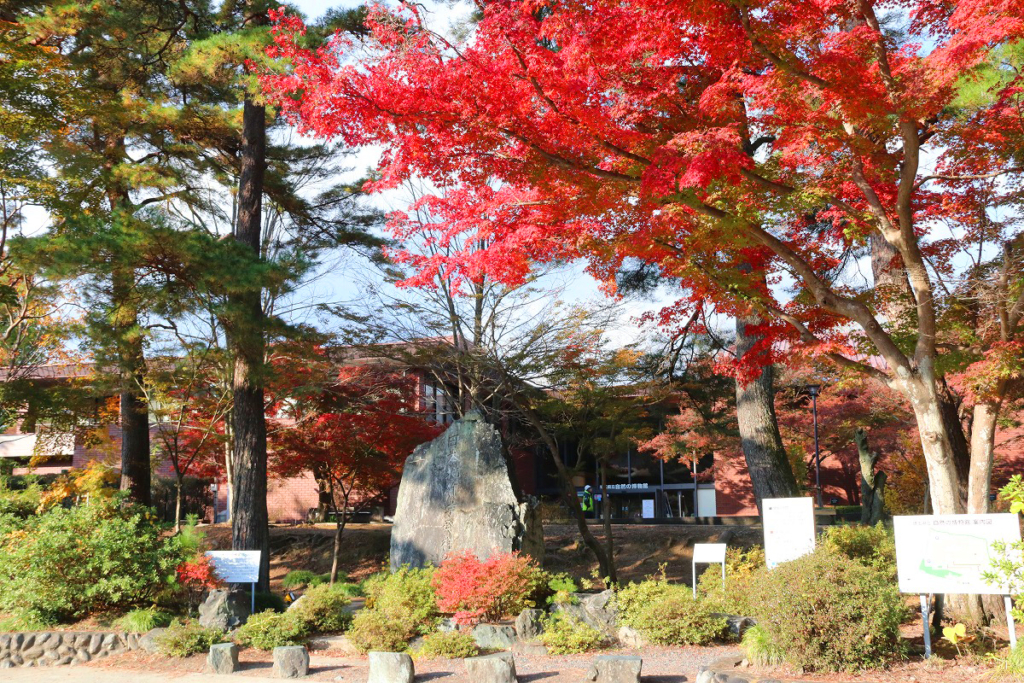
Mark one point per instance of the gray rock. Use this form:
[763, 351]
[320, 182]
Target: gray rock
[148, 641]
[291, 661]
[737, 625]
[83, 656]
[494, 636]
[615, 669]
[456, 495]
[223, 658]
[597, 610]
[496, 668]
[297, 601]
[224, 609]
[631, 638]
[529, 624]
[447, 624]
[338, 643]
[390, 667]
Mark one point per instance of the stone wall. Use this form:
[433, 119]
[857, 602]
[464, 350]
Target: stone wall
[52, 648]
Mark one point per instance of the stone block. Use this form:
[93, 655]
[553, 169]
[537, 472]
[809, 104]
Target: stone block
[615, 669]
[494, 636]
[291, 661]
[496, 668]
[530, 649]
[529, 624]
[223, 658]
[390, 667]
[456, 495]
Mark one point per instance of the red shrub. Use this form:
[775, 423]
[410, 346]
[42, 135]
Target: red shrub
[475, 590]
[196, 576]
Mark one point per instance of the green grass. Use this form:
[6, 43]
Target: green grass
[143, 620]
[759, 648]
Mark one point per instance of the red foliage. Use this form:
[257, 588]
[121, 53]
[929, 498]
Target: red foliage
[197, 576]
[475, 590]
[353, 434]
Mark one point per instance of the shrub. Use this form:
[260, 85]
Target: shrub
[267, 630]
[399, 606]
[20, 503]
[322, 609]
[302, 578]
[667, 614]
[269, 601]
[759, 649]
[143, 620]
[473, 590]
[448, 645]
[186, 638]
[872, 546]
[825, 611]
[561, 588]
[741, 568]
[566, 635]
[195, 576]
[66, 563]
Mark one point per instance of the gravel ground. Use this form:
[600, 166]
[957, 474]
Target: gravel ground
[661, 665]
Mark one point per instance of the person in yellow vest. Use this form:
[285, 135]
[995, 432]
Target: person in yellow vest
[588, 502]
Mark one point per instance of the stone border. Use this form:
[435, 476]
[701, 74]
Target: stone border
[55, 648]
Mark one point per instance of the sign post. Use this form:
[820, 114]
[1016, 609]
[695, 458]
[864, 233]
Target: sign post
[948, 554]
[788, 529]
[707, 553]
[1008, 603]
[238, 566]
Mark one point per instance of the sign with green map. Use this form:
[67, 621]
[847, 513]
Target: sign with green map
[949, 553]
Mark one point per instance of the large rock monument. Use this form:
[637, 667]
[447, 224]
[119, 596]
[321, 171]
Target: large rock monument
[456, 494]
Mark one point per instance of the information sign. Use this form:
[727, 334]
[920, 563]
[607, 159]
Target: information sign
[707, 553]
[949, 553]
[236, 566]
[648, 508]
[788, 529]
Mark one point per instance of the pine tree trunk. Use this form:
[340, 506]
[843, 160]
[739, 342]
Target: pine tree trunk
[771, 474]
[134, 410]
[249, 523]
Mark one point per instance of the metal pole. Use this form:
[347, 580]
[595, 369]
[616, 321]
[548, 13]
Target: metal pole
[694, 565]
[252, 592]
[927, 630]
[817, 452]
[629, 465]
[1008, 602]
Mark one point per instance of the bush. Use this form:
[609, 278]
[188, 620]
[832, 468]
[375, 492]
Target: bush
[399, 607]
[322, 609]
[566, 635]
[267, 630]
[825, 611]
[872, 546]
[759, 649]
[67, 563]
[186, 638]
[561, 588]
[20, 503]
[269, 601]
[303, 578]
[475, 590]
[448, 645]
[143, 620]
[741, 568]
[668, 614]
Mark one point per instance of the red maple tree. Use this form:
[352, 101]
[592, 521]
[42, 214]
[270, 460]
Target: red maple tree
[751, 151]
[353, 436]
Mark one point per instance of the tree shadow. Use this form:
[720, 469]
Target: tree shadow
[536, 677]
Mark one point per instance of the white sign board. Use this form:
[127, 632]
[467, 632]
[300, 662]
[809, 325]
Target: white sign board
[236, 566]
[648, 508]
[788, 529]
[708, 553]
[949, 553]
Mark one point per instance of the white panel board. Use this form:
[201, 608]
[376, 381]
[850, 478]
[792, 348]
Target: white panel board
[236, 566]
[788, 529]
[949, 553]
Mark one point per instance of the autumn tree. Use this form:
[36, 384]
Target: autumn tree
[783, 133]
[353, 435]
